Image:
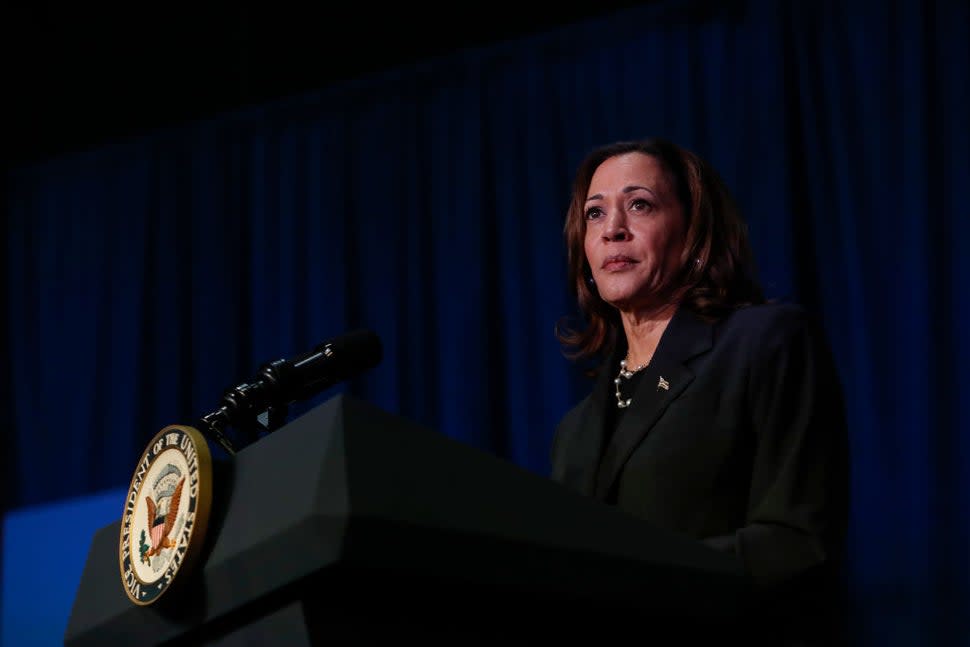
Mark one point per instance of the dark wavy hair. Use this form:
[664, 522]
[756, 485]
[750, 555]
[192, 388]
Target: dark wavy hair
[717, 271]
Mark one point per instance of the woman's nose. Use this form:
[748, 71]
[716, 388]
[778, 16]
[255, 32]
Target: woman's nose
[616, 226]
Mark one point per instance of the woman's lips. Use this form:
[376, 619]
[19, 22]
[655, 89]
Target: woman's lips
[617, 263]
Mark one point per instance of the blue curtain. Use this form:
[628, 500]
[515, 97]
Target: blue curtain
[426, 203]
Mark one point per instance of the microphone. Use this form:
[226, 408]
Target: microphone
[333, 361]
[284, 381]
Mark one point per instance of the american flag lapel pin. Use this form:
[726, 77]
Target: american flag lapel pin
[663, 384]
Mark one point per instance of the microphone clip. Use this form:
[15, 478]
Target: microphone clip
[249, 408]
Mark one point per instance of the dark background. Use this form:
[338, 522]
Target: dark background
[80, 74]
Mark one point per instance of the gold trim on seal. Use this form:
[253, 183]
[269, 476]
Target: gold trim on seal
[166, 513]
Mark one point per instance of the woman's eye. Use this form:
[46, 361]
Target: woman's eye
[640, 205]
[593, 213]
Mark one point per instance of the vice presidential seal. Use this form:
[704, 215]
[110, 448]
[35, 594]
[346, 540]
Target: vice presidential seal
[166, 513]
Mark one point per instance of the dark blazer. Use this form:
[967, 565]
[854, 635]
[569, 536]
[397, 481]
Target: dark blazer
[745, 449]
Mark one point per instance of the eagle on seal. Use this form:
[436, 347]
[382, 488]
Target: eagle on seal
[162, 516]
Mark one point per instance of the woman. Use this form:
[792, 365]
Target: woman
[714, 414]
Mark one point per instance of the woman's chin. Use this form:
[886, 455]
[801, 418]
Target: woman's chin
[636, 303]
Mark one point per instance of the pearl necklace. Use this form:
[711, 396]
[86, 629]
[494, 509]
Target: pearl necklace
[625, 375]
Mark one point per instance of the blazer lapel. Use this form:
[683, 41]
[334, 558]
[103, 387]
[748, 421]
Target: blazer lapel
[664, 380]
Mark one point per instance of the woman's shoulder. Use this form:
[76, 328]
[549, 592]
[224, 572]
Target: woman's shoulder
[771, 313]
[766, 322]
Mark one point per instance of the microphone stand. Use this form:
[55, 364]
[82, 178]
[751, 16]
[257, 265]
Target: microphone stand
[213, 425]
[261, 406]
[249, 409]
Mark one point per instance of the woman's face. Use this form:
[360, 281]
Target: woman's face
[634, 230]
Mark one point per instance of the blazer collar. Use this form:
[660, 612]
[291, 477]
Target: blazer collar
[663, 381]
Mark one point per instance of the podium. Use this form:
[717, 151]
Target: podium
[355, 525]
